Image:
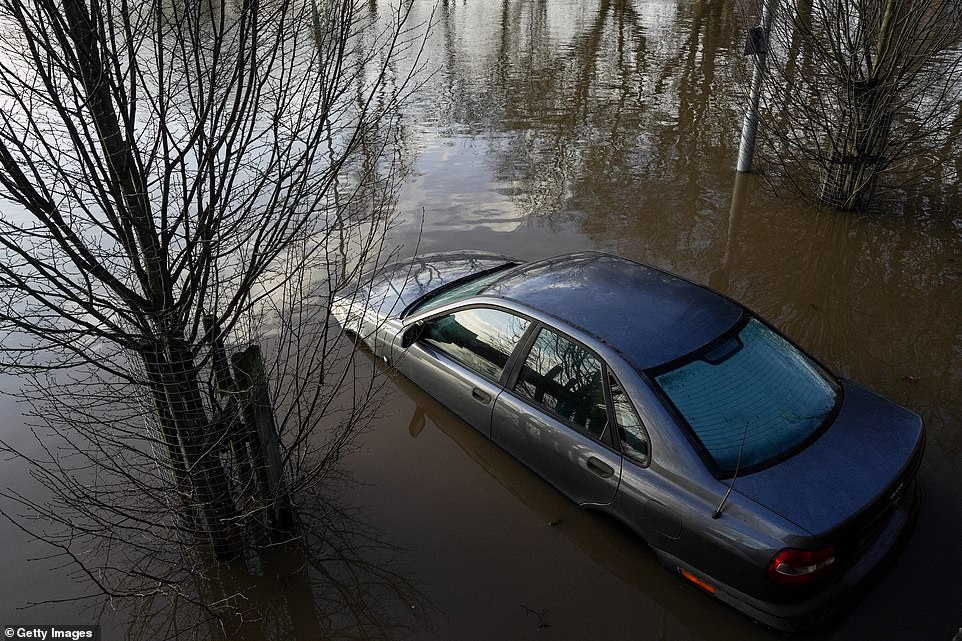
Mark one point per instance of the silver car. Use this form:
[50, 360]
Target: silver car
[749, 469]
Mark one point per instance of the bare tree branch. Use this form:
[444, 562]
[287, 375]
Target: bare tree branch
[188, 179]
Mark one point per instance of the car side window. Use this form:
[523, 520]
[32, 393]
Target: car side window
[480, 338]
[566, 379]
[631, 431]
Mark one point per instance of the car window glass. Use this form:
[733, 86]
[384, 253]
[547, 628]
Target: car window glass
[565, 378]
[482, 339]
[752, 399]
[634, 439]
[461, 290]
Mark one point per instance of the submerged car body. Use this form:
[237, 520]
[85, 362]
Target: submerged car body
[746, 466]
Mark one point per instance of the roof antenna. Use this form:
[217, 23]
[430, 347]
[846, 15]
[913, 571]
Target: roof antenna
[738, 462]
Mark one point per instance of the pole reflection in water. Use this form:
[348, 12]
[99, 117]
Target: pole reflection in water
[720, 278]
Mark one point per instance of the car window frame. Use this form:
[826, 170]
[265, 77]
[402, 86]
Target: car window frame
[512, 357]
[519, 358]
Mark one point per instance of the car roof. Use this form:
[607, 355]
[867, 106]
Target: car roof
[648, 315]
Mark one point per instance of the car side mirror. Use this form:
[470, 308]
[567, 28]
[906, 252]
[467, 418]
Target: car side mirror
[411, 334]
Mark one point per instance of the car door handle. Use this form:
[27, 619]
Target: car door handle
[600, 468]
[480, 395]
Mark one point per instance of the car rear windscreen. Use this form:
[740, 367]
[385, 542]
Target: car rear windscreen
[752, 399]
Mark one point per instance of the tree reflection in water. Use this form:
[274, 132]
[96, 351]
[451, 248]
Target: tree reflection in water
[341, 580]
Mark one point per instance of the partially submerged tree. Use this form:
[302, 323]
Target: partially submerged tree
[187, 174]
[863, 95]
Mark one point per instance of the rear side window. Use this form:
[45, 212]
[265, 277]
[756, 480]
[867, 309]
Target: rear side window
[754, 396]
[480, 338]
[631, 431]
[566, 379]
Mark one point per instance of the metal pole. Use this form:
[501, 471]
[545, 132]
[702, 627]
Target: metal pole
[759, 43]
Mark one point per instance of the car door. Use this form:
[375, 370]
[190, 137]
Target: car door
[554, 418]
[461, 357]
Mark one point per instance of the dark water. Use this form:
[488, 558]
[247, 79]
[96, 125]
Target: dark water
[551, 126]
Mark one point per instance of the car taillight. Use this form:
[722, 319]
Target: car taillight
[801, 567]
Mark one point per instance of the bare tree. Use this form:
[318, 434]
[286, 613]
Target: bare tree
[863, 95]
[188, 176]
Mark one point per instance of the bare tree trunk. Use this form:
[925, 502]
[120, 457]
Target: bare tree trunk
[851, 184]
[175, 387]
[176, 457]
[854, 171]
[881, 83]
[176, 390]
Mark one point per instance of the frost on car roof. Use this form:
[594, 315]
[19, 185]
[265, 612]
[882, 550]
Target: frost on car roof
[650, 316]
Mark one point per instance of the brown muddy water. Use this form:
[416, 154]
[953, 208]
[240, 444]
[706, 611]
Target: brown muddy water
[557, 125]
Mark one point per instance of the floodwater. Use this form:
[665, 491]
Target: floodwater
[553, 126]
[550, 126]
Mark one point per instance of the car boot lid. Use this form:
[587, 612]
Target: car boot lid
[867, 456]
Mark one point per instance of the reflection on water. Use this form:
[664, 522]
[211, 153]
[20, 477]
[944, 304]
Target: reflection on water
[341, 580]
[560, 125]
[581, 104]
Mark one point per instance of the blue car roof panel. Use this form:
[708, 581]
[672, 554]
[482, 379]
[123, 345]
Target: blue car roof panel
[648, 315]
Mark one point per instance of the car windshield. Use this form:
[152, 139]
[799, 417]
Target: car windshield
[460, 289]
[754, 397]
